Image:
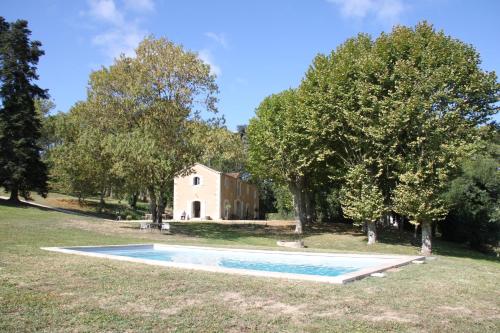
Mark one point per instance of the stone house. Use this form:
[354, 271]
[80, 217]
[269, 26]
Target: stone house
[207, 194]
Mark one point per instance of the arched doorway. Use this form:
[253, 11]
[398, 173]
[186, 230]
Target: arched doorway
[196, 209]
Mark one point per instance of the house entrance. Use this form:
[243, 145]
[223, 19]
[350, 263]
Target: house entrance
[196, 209]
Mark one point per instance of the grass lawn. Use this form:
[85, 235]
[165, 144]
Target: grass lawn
[52, 292]
[90, 206]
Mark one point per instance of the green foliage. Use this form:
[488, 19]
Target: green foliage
[138, 121]
[81, 163]
[220, 148]
[361, 199]
[475, 208]
[406, 105]
[278, 147]
[418, 200]
[21, 167]
[284, 200]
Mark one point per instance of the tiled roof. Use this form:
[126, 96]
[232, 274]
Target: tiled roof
[233, 174]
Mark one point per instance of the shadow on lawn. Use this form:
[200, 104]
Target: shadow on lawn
[387, 236]
[232, 231]
[439, 246]
[235, 231]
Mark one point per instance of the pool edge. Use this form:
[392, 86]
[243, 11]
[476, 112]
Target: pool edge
[341, 279]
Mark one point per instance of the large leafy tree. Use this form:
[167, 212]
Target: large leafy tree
[438, 95]
[81, 163]
[341, 93]
[278, 148]
[407, 106]
[146, 105]
[21, 167]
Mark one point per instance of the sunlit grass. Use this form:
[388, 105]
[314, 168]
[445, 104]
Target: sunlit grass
[45, 291]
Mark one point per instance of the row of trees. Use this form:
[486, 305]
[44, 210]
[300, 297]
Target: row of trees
[146, 119]
[391, 126]
[141, 125]
[385, 122]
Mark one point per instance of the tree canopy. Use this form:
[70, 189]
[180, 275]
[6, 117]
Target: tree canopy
[21, 166]
[387, 119]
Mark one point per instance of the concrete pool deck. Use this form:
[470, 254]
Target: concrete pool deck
[392, 261]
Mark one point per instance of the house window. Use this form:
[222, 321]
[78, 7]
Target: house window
[196, 180]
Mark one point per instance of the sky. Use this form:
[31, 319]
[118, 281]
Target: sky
[255, 47]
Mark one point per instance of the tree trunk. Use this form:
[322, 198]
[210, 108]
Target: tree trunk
[426, 238]
[401, 221]
[371, 232]
[152, 205]
[434, 227]
[161, 208]
[14, 195]
[101, 200]
[133, 200]
[298, 206]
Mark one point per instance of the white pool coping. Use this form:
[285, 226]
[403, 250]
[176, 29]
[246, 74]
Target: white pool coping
[397, 260]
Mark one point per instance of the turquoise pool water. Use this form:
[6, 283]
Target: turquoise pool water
[281, 262]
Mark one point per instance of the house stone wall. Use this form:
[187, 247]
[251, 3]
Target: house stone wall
[185, 193]
[215, 191]
[247, 198]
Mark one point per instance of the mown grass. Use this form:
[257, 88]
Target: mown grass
[90, 205]
[42, 291]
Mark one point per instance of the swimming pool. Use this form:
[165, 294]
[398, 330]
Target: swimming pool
[324, 267]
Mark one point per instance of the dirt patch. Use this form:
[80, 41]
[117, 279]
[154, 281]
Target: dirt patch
[455, 309]
[253, 303]
[392, 316]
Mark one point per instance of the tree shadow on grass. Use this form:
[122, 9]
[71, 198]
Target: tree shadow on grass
[231, 231]
[439, 246]
[273, 232]
[450, 249]
[8, 203]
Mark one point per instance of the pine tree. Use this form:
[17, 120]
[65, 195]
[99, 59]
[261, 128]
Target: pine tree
[21, 168]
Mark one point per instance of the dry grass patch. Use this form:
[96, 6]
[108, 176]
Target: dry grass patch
[43, 291]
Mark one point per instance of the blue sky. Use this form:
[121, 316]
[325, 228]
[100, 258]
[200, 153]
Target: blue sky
[256, 47]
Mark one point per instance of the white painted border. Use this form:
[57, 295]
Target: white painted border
[398, 260]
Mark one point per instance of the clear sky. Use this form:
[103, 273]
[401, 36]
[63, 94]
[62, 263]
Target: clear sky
[256, 47]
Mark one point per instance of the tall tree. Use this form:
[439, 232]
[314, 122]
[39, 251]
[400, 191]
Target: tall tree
[407, 106]
[82, 164]
[439, 95]
[340, 91]
[21, 167]
[278, 148]
[146, 105]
